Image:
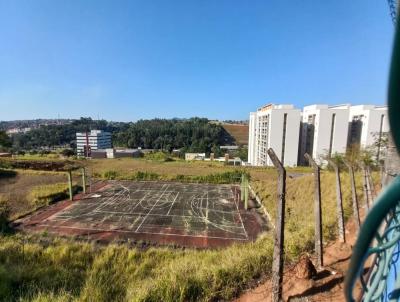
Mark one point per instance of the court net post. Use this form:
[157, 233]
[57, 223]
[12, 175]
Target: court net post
[246, 191]
[69, 174]
[242, 188]
[84, 180]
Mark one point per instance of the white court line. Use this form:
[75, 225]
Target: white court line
[109, 200]
[152, 208]
[140, 200]
[134, 232]
[201, 218]
[173, 202]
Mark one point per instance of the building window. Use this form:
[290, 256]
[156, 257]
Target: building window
[332, 133]
[356, 130]
[284, 138]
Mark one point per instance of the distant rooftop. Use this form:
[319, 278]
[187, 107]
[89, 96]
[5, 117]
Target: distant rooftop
[273, 106]
[92, 132]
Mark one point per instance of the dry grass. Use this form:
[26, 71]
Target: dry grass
[20, 189]
[299, 224]
[63, 270]
[128, 166]
[239, 132]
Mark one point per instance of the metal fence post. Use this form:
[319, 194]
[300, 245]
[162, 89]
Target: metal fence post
[317, 211]
[339, 202]
[277, 262]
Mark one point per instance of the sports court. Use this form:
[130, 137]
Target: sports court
[185, 214]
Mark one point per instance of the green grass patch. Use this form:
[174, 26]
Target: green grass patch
[226, 177]
[46, 194]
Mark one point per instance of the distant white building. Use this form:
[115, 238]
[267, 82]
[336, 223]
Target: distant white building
[93, 140]
[323, 131]
[195, 156]
[18, 130]
[276, 127]
[367, 124]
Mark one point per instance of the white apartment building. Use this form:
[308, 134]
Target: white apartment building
[93, 140]
[323, 131]
[367, 124]
[276, 127]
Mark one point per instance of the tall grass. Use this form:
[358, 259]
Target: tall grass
[45, 194]
[299, 218]
[213, 178]
[66, 271]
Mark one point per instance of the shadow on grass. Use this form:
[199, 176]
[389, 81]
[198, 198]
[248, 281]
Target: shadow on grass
[7, 173]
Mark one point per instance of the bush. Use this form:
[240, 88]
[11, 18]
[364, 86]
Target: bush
[221, 178]
[146, 176]
[110, 174]
[159, 156]
[47, 194]
[67, 152]
[4, 215]
[44, 152]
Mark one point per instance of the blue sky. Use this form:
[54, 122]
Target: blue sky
[127, 60]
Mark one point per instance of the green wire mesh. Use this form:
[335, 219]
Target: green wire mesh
[380, 233]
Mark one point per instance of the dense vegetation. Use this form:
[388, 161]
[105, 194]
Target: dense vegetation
[5, 141]
[195, 134]
[61, 135]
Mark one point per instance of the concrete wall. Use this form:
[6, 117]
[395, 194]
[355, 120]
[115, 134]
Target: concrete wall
[371, 122]
[292, 135]
[323, 132]
[273, 132]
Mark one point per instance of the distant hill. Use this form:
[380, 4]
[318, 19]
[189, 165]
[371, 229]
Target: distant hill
[239, 132]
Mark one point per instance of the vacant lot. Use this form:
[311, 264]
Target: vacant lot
[128, 166]
[24, 190]
[239, 132]
[125, 168]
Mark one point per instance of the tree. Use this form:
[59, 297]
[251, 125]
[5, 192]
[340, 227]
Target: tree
[5, 141]
[67, 152]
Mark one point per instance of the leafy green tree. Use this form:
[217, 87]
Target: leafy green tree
[190, 135]
[5, 141]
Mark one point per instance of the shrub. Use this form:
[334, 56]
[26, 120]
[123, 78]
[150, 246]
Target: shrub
[110, 174]
[67, 152]
[159, 156]
[146, 176]
[4, 215]
[47, 194]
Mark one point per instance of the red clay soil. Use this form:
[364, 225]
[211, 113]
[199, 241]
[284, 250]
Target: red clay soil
[328, 285]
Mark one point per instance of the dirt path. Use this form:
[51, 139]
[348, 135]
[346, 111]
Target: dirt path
[328, 284]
